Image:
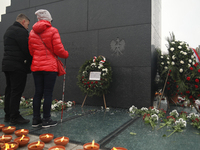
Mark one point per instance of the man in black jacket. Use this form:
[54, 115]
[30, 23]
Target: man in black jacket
[16, 65]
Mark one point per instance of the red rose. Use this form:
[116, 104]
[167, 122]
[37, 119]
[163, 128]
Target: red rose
[169, 74]
[84, 83]
[96, 82]
[88, 82]
[92, 82]
[195, 65]
[199, 70]
[191, 68]
[167, 82]
[190, 96]
[188, 78]
[196, 86]
[170, 70]
[168, 88]
[176, 86]
[187, 92]
[89, 86]
[82, 77]
[198, 95]
[197, 80]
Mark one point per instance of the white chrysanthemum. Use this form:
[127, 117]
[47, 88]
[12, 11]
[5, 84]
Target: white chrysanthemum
[167, 58]
[193, 63]
[173, 57]
[144, 109]
[179, 47]
[188, 48]
[166, 67]
[132, 109]
[189, 65]
[174, 112]
[182, 62]
[22, 98]
[181, 52]
[172, 49]
[173, 63]
[173, 42]
[93, 64]
[181, 70]
[189, 60]
[184, 53]
[181, 43]
[192, 56]
[168, 62]
[105, 69]
[154, 116]
[100, 66]
[162, 63]
[161, 56]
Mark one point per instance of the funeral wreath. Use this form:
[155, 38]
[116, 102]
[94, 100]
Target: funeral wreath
[98, 85]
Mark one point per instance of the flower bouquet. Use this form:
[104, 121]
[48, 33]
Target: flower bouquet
[151, 119]
[168, 122]
[179, 125]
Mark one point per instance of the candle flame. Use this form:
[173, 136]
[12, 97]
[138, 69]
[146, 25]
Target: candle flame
[12, 145]
[62, 138]
[114, 148]
[47, 135]
[7, 145]
[2, 136]
[93, 143]
[22, 138]
[9, 127]
[38, 143]
[22, 130]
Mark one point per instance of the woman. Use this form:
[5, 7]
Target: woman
[44, 42]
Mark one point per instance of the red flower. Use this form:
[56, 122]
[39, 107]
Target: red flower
[167, 82]
[169, 74]
[198, 95]
[168, 88]
[196, 119]
[96, 82]
[176, 86]
[190, 96]
[199, 70]
[88, 82]
[197, 80]
[196, 86]
[188, 78]
[84, 83]
[82, 77]
[170, 70]
[89, 86]
[191, 68]
[151, 107]
[92, 82]
[187, 92]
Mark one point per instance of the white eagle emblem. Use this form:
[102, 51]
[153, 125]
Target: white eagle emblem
[117, 46]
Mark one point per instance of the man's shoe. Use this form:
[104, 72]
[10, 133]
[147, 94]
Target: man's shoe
[18, 120]
[36, 122]
[48, 123]
[6, 119]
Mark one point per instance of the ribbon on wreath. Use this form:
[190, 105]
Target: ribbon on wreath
[196, 55]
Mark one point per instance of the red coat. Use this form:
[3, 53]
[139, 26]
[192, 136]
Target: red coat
[43, 60]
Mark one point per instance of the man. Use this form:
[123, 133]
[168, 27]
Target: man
[16, 64]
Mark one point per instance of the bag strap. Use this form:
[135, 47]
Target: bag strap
[47, 48]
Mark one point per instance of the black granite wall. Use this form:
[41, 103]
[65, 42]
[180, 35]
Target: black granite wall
[87, 28]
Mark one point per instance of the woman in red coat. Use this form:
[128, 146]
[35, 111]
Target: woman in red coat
[44, 38]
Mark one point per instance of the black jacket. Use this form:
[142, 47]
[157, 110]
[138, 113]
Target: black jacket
[16, 53]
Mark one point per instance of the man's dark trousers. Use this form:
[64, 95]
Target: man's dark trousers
[15, 85]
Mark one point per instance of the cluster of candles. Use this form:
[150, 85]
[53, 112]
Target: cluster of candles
[23, 140]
